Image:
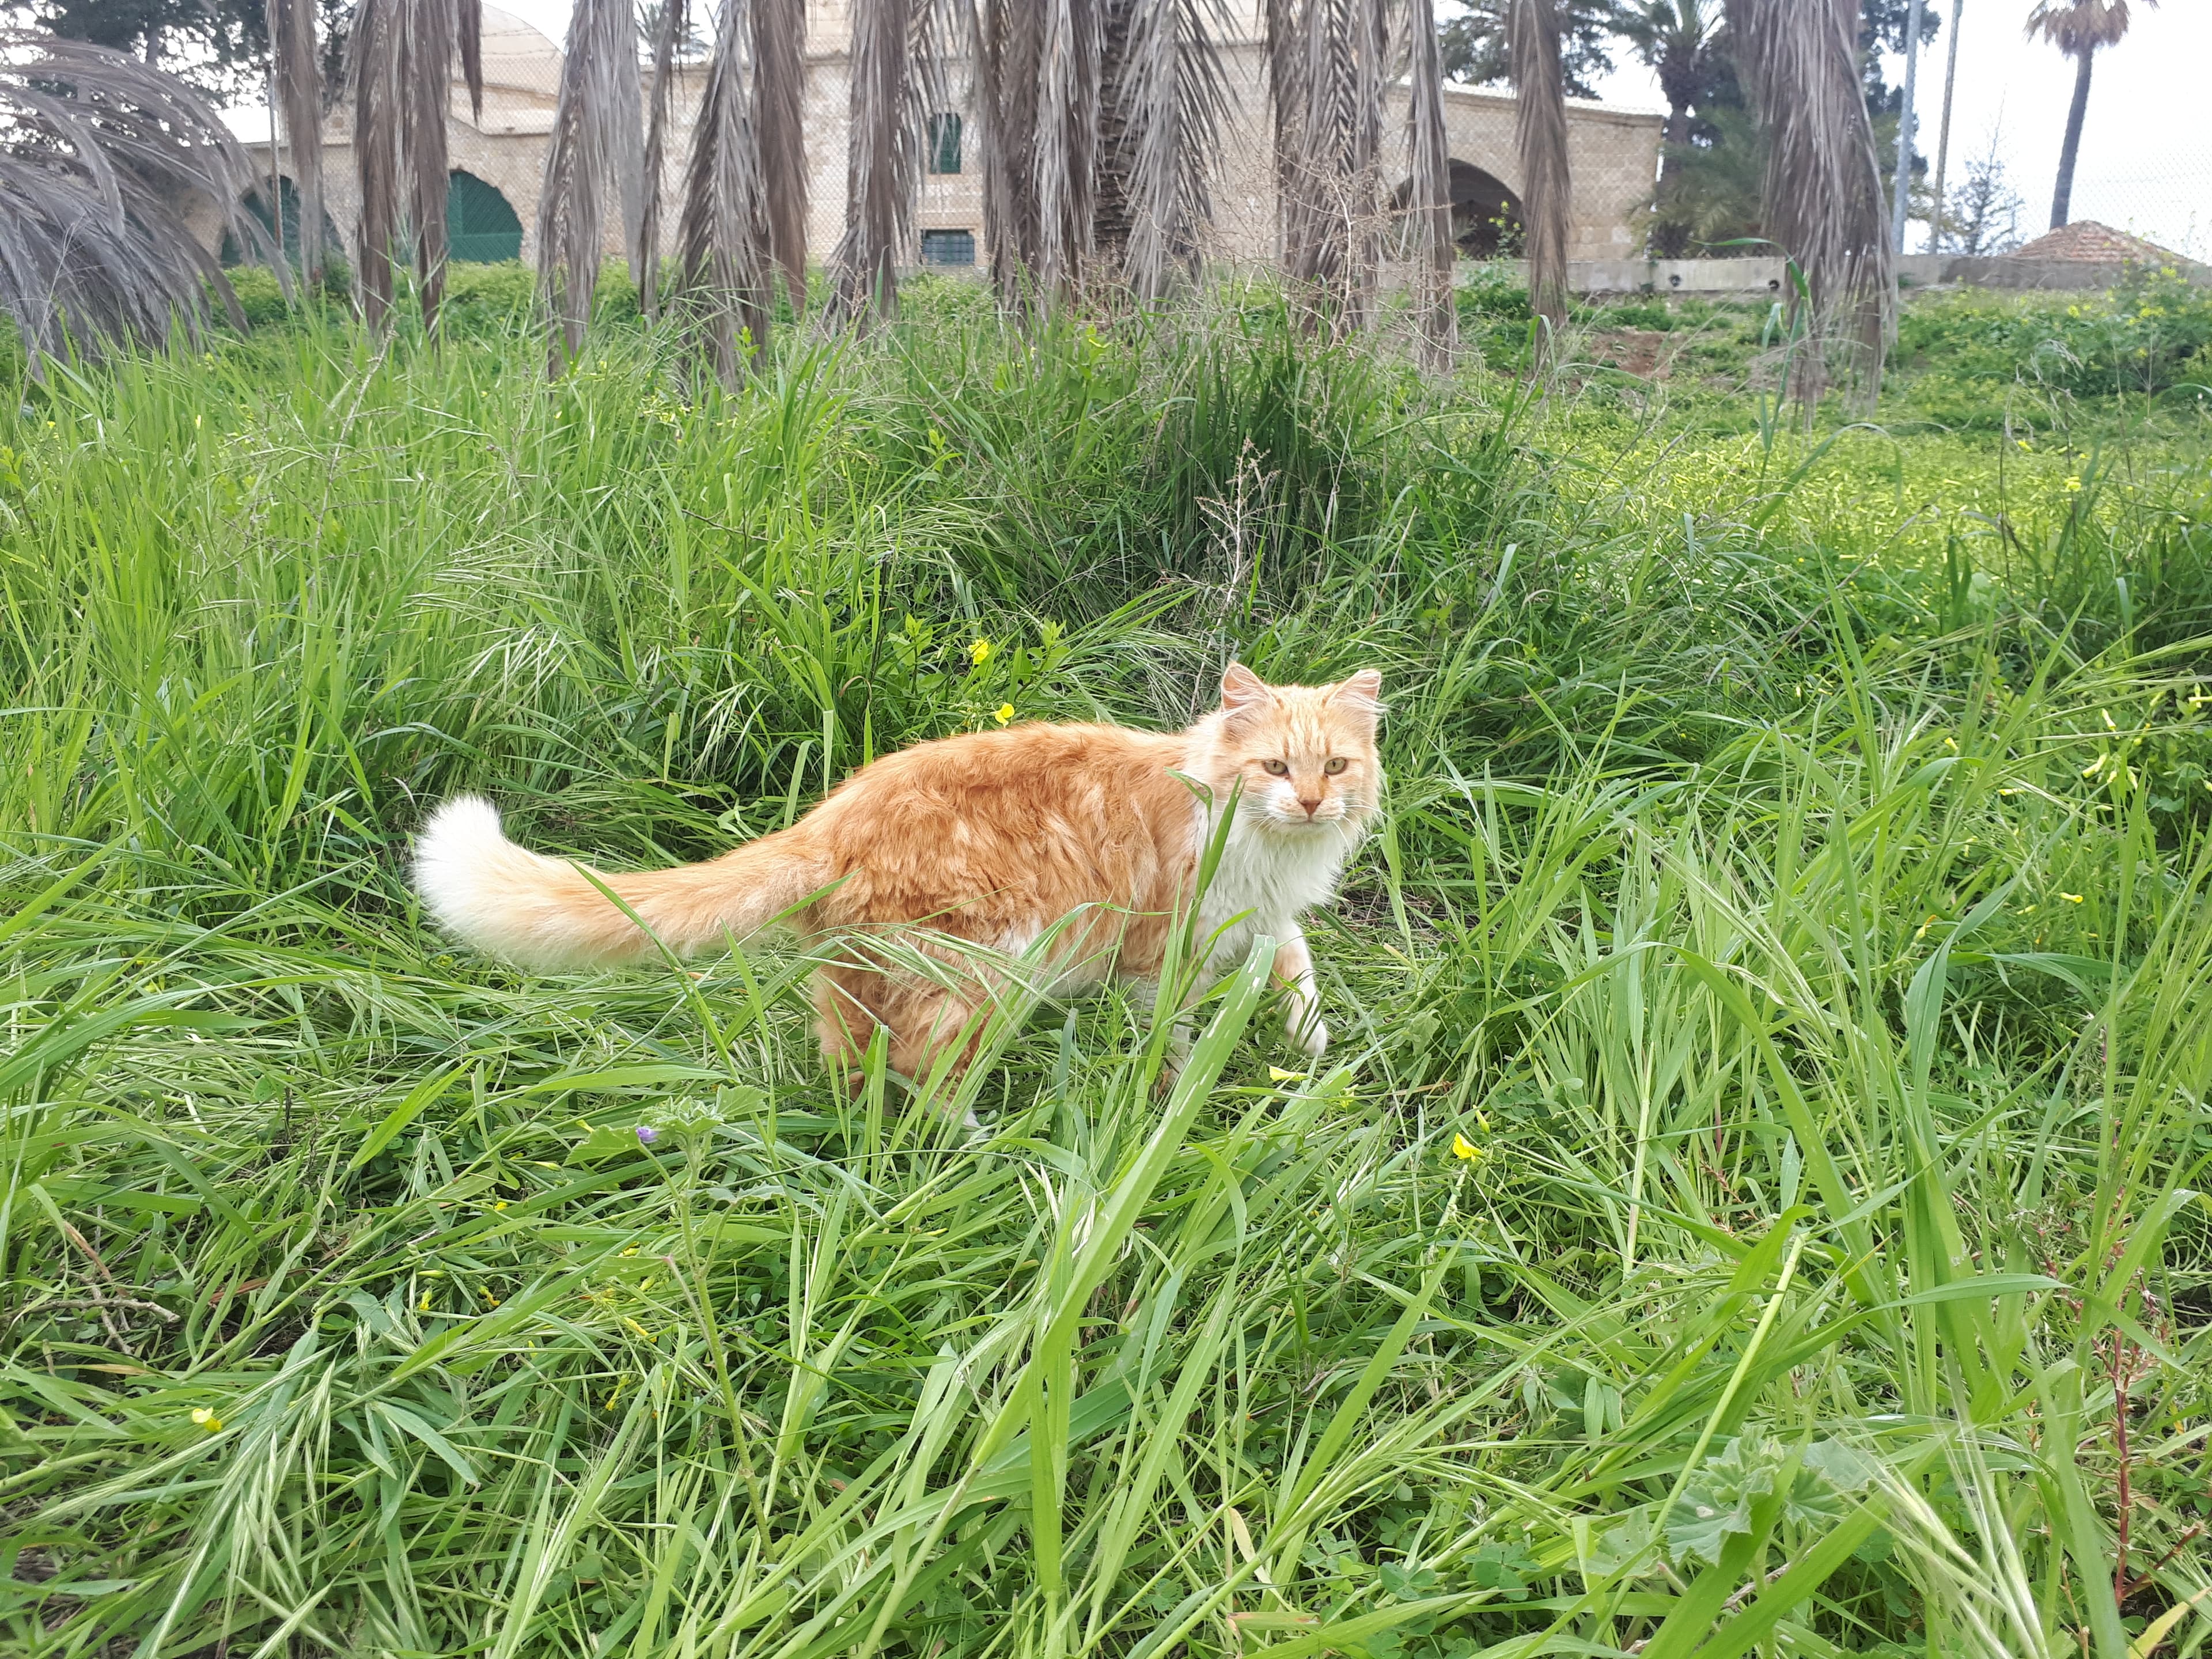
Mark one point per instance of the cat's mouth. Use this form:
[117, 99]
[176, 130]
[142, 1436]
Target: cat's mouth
[1327, 818]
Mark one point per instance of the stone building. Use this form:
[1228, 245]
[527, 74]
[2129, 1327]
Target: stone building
[498, 160]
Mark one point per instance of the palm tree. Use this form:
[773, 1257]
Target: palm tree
[1429, 190]
[1823, 199]
[2079, 29]
[722, 254]
[1164, 111]
[598, 143]
[1676, 39]
[1328, 93]
[95, 144]
[779, 80]
[645, 255]
[894, 70]
[1540, 126]
[399, 60]
[296, 78]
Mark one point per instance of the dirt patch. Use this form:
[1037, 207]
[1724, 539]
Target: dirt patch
[1638, 351]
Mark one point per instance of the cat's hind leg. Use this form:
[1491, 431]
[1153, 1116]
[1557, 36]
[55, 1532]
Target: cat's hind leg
[846, 1002]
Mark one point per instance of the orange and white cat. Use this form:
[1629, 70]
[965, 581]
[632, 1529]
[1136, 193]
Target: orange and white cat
[1089, 835]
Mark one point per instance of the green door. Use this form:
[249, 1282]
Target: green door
[481, 228]
[288, 204]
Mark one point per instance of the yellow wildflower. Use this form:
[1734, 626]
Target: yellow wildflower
[2071, 898]
[1003, 713]
[979, 652]
[207, 1419]
[1277, 1074]
[1464, 1148]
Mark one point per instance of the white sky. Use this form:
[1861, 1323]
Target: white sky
[2146, 163]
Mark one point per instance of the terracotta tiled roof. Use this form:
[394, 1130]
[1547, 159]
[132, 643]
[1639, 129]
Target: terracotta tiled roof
[2087, 241]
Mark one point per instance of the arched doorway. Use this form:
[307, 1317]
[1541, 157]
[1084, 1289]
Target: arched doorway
[481, 228]
[1485, 214]
[287, 208]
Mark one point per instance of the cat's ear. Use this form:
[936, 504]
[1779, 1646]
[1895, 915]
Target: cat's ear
[1241, 688]
[1361, 693]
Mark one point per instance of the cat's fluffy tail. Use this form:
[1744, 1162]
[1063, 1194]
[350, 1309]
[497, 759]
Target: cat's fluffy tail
[546, 913]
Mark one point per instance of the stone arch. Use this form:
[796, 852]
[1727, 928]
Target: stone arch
[288, 209]
[482, 227]
[1485, 211]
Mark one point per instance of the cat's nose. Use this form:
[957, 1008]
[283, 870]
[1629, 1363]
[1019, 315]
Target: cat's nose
[1311, 806]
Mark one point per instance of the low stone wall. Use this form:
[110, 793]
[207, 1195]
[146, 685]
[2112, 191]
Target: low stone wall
[1760, 279]
[2064, 274]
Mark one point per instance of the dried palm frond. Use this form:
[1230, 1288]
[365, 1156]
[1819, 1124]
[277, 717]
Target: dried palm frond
[1823, 199]
[1541, 131]
[644, 247]
[721, 235]
[1283, 22]
[399, 65]
[596, 146]
[1009, 57]
[468, 34]
[1041, 77]
[779, 79]
[894, 74]
[1332, 205]
[1066, 155]
[296, 69]
[430, 35]
[1428, 199]
[1110, 206]
[96, 147]
[1171, 105]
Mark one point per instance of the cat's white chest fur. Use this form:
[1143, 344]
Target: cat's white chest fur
[1266, 878]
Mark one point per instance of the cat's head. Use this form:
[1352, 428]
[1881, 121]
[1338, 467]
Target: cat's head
[1298, 756]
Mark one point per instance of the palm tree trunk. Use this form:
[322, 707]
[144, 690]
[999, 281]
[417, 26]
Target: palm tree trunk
[1943, 135]
[1165, 100]
[1824, 200]
[296, 67]
[645, 253]
[1333, 184]
[883, 155]
[2062, 198]
[596, 145]
[779, 82]
[1430, 193]
[1541, 92]
[722, 231]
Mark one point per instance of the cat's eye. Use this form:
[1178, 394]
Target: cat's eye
[1336, 763]
[1277, 769]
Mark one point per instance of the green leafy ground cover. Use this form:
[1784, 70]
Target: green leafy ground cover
[1750, 1206]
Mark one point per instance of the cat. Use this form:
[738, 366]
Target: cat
[1089, 835]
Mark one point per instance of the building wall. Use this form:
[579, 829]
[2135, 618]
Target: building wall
[1613, 153]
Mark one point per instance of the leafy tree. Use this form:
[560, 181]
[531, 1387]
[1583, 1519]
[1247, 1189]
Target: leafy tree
[1882, 25]
[219, 47]
[1475, 48]
[1682, 41]
[1710, 189]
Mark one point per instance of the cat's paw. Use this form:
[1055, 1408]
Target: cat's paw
[1310, 1035]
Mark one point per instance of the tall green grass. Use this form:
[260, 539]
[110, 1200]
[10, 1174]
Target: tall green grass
[1752, 1205]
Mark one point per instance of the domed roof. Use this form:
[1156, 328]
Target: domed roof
[518, 57]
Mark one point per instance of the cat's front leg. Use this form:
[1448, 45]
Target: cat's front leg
[1294, 969]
